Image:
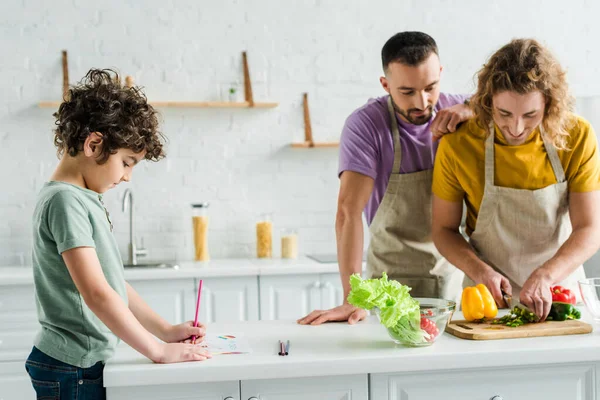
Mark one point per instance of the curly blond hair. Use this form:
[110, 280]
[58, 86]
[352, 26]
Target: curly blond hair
[524, 66]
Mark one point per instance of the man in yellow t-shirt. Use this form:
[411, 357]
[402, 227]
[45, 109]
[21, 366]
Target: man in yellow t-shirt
[528, 171]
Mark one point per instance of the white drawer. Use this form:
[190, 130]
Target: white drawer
[17, 298]
[14, 382]
[558, 382]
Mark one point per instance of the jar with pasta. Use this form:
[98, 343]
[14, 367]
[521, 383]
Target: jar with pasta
[264, 237]
[200, 229]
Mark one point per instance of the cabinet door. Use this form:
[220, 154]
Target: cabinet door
[557, 382]
[171, 299]
[289, 296]
[227, 299]
[18, 321]
[14, 381]
[332, 292]
[348, 387]
[229, 390]
[17, 308]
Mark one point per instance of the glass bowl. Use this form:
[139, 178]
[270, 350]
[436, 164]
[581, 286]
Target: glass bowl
[590, 293]
[435, 315]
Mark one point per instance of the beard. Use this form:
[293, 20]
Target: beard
[414, 119]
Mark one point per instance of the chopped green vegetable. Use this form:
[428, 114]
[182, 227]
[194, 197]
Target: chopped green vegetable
[558, 312]
[516, 317]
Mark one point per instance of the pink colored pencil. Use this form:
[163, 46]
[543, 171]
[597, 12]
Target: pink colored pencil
[197, 309]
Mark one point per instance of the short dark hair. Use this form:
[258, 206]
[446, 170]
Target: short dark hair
[409, 48]
[100, 103]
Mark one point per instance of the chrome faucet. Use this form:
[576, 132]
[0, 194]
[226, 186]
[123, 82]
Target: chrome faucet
[134, 251]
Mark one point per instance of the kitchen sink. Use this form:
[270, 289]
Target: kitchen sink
[147, 265]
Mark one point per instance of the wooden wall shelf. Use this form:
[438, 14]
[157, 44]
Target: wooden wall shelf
[308, 138]
[185, 104]
[248, 97]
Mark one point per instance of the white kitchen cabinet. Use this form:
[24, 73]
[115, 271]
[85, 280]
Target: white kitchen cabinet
[172, 299]
[227, 299]
[348, 387]
[294, 296]
[332, 292]
[229, 390]
[18, 318]
[223, 299]
[289, 296]
[559, 382]
[14, 381]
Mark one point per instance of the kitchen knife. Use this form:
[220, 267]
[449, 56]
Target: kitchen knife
[508, 300]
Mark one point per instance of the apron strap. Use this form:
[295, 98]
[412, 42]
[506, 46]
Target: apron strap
[559, 171]
[395, 137]
[489, 156]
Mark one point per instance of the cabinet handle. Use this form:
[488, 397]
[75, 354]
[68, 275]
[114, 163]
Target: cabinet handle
[228, 398]
[327, 285]
[496, 397]
[256, 398]
[316, 285]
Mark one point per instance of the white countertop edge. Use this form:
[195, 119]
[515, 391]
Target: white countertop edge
[22, 275]
[200, 372]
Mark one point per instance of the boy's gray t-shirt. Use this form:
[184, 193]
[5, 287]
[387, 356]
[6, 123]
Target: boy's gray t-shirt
[67, 216]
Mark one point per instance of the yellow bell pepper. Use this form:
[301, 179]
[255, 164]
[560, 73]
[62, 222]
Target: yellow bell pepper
[478, 303]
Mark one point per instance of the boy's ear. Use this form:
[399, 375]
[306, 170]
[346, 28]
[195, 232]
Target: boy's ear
[92, 147]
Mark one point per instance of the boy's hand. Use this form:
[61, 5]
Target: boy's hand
[184, 332]
[180, 352]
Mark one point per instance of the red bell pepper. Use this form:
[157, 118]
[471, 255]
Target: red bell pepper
[562, 295]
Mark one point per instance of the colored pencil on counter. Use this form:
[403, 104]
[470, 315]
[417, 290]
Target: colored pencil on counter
[197, 309]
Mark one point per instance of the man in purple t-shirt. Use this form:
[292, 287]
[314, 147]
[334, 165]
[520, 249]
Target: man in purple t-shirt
[386, 161]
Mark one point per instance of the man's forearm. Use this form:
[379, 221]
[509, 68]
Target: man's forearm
[350, 244]
[453, 246]
[581, 245]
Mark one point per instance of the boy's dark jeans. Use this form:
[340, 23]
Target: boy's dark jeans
[56, 380]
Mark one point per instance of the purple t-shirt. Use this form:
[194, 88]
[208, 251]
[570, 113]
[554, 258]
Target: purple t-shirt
[366, 145]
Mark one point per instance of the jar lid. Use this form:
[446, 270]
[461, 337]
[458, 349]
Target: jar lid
[200, 205]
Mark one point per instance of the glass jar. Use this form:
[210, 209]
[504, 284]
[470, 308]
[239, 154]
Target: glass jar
[289, 243]
[200, 227]
[264, 237]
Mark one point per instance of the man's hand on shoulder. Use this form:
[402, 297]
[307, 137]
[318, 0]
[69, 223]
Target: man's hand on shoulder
[448, 119]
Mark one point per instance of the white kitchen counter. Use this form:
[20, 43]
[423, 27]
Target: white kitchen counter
[341, 349]
[215, 268]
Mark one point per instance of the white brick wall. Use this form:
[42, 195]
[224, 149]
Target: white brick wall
[239, 160]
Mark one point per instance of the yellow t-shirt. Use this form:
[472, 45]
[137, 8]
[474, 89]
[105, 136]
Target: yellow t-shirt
[459, 171]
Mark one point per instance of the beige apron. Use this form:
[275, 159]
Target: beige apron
[518, 230]
[401, 243]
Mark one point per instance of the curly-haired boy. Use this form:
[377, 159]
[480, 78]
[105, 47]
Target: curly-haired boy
[103, 129]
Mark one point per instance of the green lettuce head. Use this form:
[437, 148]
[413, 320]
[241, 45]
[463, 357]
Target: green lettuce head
[398, 311]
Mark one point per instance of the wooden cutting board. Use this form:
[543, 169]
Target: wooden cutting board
[488, 331]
